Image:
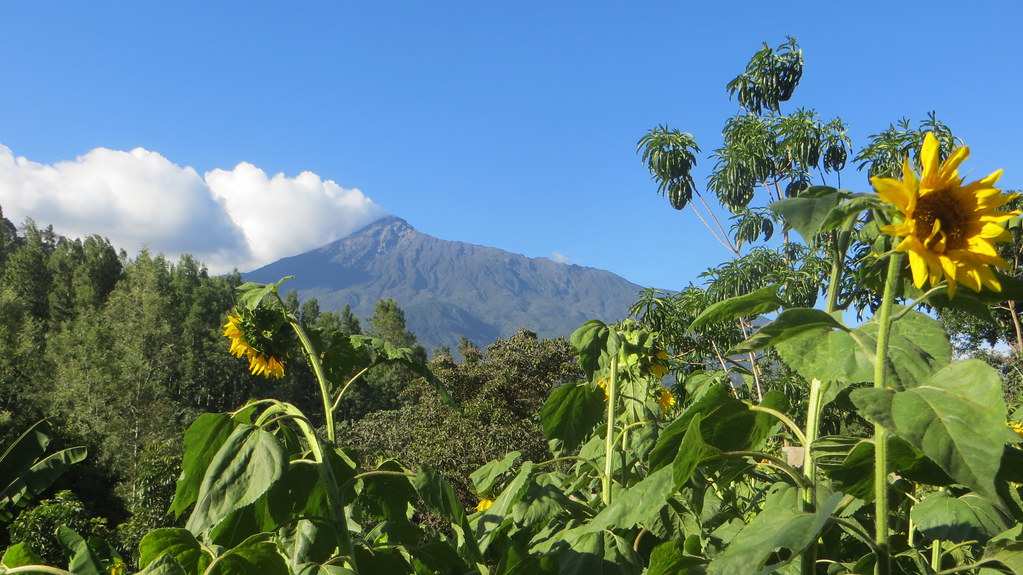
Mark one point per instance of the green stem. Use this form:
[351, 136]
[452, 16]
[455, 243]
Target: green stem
[38, 569]
[321, 378]
[883, 566]
[612, 396]
[772, 460]
[936, 554]
[589, 462]
[345, 388]
[784, 419]
[839, 243]
[813, 411]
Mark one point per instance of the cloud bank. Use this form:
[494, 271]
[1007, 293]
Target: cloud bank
[238, 218]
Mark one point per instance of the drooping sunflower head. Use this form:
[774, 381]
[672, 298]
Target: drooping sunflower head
[947, 228]
[257, 334]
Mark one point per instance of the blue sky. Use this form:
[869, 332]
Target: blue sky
[245, 131]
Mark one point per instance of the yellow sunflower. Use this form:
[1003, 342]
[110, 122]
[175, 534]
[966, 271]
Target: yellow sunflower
[665, 399]
[947, 228]
[259, 364]
[1016, 426]
[484, 504]
[602, 384]
[659, 365]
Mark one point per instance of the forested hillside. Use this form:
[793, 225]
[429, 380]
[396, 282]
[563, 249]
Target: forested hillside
[126, 352]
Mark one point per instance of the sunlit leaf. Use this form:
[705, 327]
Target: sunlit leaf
[203, 440]
[789, 324]
[245, 466]
[957, 418]
[174, 542]
[781, 525]
[764, 300]
[570, 414]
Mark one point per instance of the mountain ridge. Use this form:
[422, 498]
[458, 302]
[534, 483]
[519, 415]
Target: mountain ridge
[448, 288]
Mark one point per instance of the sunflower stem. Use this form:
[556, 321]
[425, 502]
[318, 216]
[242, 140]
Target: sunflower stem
[883, 566]
[813, 412]
[609, 443]
[321, 378]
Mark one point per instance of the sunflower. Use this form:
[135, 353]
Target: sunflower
[484, 504]
[947, 228]
[259, 363]
[665, 399]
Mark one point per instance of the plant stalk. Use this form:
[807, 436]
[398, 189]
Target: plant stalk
[612, 397]
[883, 566]
[321, 378]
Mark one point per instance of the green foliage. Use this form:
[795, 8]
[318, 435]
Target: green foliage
[37, 526]
[24, 471]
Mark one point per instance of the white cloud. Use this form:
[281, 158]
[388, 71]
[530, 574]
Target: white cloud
[560, 258]
[229, 218]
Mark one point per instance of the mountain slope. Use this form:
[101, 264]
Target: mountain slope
[448, 288]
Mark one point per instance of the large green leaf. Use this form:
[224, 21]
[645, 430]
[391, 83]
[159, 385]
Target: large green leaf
[389, 494]
[490, 522]
[203, 440]
[245, 466]
[37, 478]
[177, 543]
[807, 212]
[726, 424]
[570, 414]
[81, 559]
[18, 555]
[594, 341]
[957, 418]
[781, 525]
[165, 565]
[255, 556]
[438, 495]
[942, 517]
[635, 504]
[595, 553]
[789, 324]
[23, 476]
[1006, 553]
[669, 558]
[759, 302]
[306, 541]
[849, 461]
[517, 561]
[484, 478]
[20, 455]
[917, 347]
[689, 455]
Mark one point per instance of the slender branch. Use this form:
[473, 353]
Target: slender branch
[856, 531]
[589, 462]
[724, 234]
[352, 481]
[784, 419]
[726, 244]
[345, 388]
[768, 459]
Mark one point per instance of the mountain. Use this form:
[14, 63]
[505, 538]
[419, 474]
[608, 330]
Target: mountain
[448, 289]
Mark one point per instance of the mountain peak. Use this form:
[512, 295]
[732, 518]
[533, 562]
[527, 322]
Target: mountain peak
[450, 288]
